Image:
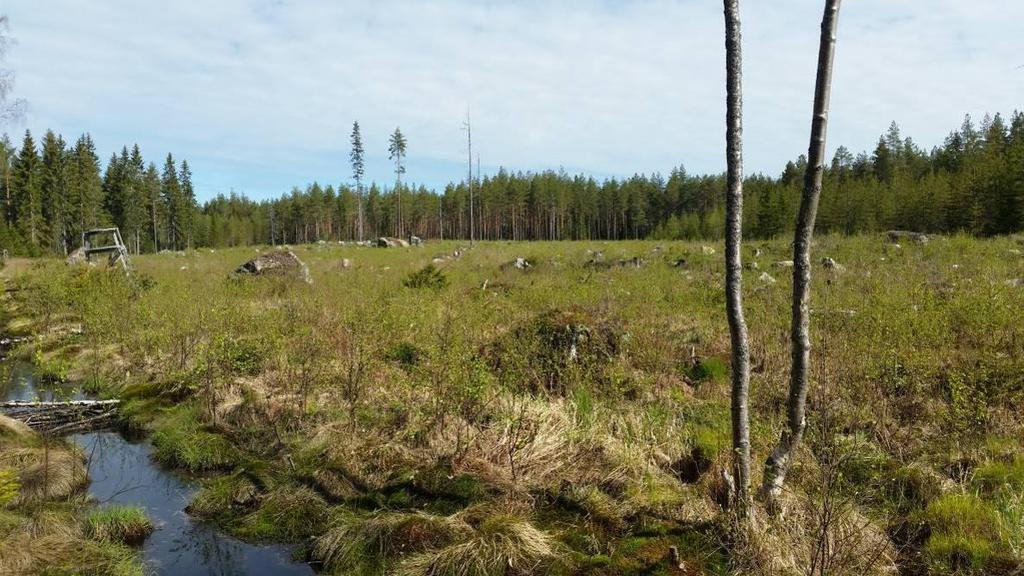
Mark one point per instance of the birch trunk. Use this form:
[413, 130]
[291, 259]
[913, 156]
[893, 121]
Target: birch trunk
[782, 457]
[733, 257]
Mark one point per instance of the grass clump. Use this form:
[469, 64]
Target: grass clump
[501, 544]
[966, 536]
[386, 536]
[995, 476]
[180, 440]
[122, 524]
[288, 514]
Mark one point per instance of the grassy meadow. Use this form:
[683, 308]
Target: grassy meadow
[572, 417]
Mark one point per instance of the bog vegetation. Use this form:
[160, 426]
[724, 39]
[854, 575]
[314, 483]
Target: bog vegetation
[546, 408]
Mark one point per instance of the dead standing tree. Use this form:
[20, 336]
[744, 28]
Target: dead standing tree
[734, 260]
[781, 458]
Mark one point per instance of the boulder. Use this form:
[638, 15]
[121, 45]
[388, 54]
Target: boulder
[521, 264]
[388, 242]
[1015, 283]
[346, 263]
[895, 236]
[831, 264]
[77, 257]
[415, 241]
[277, 263]
[766, 278]
[784, 264]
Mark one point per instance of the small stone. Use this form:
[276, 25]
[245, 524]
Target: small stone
[707, 250]
[766, 278]
[784, 264]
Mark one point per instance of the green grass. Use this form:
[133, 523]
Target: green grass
[121, 524]
[180, 440]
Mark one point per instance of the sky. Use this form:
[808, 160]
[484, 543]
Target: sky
[260, 95]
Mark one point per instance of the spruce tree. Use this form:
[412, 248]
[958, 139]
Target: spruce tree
[187, 204]
[170, 194]
[358, 169]
[85, 188]
[26, 193]
[396, 153]
[54, 192]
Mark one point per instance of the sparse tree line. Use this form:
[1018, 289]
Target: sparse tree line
[53, 192]
[973, 182]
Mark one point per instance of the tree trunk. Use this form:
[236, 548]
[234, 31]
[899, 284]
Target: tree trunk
[733, 257]
[780, 459]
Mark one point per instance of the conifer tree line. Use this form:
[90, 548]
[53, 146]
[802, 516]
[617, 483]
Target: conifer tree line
[973, 182]
[53, 191]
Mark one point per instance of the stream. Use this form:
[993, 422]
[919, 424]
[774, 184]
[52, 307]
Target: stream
[123, 471]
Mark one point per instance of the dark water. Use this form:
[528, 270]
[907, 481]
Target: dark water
[122, 471]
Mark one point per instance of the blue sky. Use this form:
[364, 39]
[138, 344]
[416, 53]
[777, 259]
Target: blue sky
[260, 95]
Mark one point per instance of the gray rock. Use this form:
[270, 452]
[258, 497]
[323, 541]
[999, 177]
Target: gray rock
[77, 257]
[415, 241]
[784, 264]
[895, 236]
[388, 242]
[277, 263]
[766, 278]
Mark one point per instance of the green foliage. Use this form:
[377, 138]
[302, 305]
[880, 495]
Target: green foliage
[427, 277]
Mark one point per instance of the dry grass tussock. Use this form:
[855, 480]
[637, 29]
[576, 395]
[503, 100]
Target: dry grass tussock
[791, 544]
[56, 542]
[501, 545]
[43, 474]
[13, 430]
[386, 535]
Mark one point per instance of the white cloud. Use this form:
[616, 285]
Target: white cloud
[260, 95]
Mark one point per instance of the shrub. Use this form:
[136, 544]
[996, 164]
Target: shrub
[427, 277]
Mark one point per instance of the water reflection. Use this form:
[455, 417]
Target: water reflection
[122, 471]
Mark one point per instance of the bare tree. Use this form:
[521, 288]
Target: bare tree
[469, 178]
[10, 110]
[733, 257]
[780, 459]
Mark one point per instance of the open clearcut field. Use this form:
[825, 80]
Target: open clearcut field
[570, 416]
